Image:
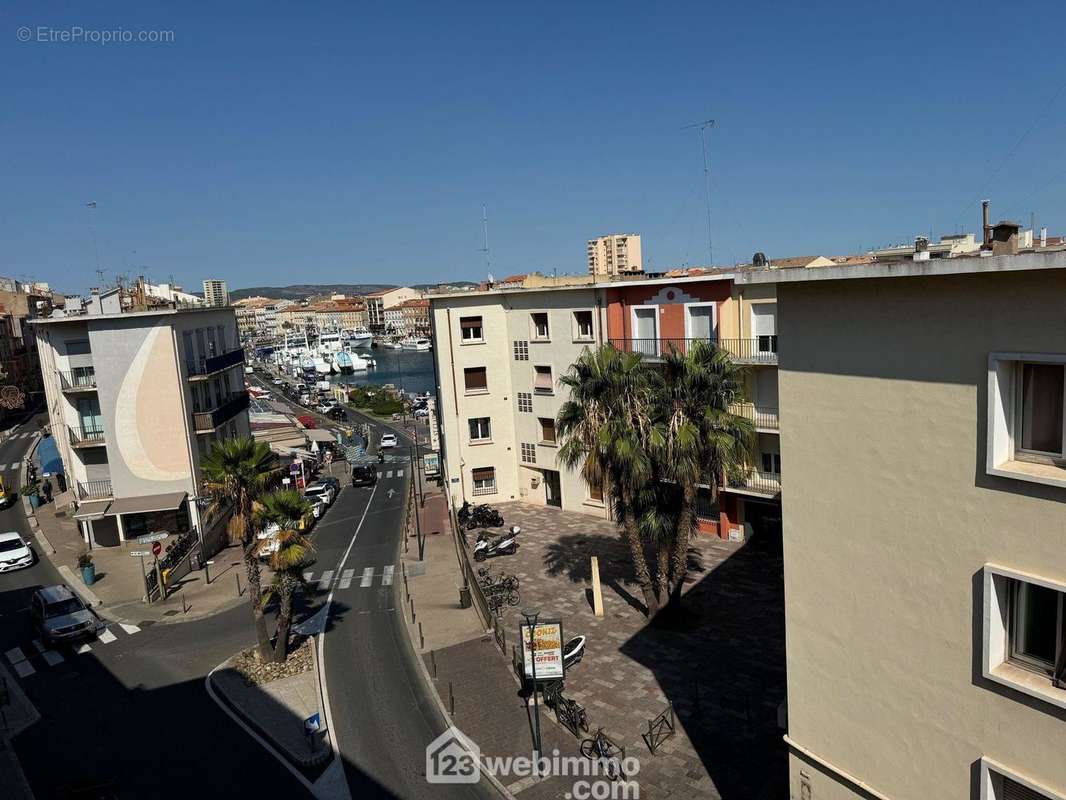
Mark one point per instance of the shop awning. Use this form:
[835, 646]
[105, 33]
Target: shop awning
[92, 509]
[143, 505]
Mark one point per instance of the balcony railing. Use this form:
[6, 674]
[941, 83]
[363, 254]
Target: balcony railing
[758, 481]
[201, 367]
[77, 381]
[760, 350]
[762, 418]
[86, 437]
[94, 490]
[656, 347]
[207, 421]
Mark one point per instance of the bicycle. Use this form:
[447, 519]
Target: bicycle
[600, 748]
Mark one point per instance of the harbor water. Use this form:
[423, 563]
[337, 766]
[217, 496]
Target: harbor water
[410, 370]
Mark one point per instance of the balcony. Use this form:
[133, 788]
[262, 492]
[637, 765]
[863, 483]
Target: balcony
[757, 482]
[208, 421]
[86, 437]
[655, 348]
[763, 418]
[94, 490]
[77, 381]
[199, 369]
[760, 350]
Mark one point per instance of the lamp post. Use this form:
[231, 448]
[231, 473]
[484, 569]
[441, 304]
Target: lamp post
[531, 615]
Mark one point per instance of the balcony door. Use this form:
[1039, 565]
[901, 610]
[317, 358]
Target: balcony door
[646, 330]
[699, 321]
[764, 327]
[89, 417]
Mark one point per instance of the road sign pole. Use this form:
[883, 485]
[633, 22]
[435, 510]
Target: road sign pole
[144, 578]
[159, 579]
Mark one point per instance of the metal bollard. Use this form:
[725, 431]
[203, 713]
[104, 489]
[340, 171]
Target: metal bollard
[237, 575]
[451, 699]
[421, 637]
[433, 661]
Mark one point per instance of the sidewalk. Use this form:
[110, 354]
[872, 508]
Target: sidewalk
[18, 715]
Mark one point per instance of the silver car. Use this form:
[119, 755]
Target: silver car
[60, 615]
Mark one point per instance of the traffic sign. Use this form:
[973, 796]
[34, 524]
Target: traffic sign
[156, 548]
[152, 537]
[313, 723]
[141, 553]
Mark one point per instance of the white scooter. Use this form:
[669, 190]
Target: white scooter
[573, 651]
[489, 547]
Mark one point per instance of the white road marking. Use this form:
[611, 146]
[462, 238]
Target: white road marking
[386, 576]
[130, 629]
[346, 578]
[52, 657]
[324, 581]
[308, 576]
[39, 645]
[388, 474]
[24, 669]
[368, 577]
[3, 467]
[399, 473]
[15, 655]
[81, 649]
[107, 637]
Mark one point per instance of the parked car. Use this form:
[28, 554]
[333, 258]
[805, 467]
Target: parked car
[318, 507]
[364, 475]
[338, 413]
[387, 440]
[59, 615]
[307, 421]
[14, 552]
[304, 399]
[320, 490]
[421, 412]
[326, 406]
[331, 482]
[279, 381]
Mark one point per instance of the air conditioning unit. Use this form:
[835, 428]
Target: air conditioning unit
[534, 481]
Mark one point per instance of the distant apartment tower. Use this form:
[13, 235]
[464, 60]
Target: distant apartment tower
[216, 293]
[615, 254]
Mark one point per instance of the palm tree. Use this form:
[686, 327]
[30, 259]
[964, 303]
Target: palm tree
[290, 551]
[695, 438]
[603, 428]
[239, 471]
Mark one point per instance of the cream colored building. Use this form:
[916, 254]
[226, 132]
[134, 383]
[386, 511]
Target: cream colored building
[925, 516]
[216, 293]
[377, 302]
[614, 254]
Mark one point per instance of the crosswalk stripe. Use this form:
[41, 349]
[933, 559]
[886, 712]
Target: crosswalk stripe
[388, 474]
[386, 576]
[81, 649]
[39, 645]
[24, 669]
[130, 629]
[368, 577]
[324, 581]
[15, 655]
[346, 578]
[107, 637]
[399, 473]
[52, 657]
[3, 467]
[308, 576]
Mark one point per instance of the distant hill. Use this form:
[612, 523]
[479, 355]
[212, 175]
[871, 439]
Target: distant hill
[302, 291]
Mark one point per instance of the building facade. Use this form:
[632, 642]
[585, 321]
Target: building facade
[20, 372]
[925, 582]
[135, 401]
[415, 316]
[614, 254]
[216, 293]
[377, 302]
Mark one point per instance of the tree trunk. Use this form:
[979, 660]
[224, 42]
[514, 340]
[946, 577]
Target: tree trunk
[255, 597]
[679, 557]
[281, 644]
[636, 554]
[662, 577]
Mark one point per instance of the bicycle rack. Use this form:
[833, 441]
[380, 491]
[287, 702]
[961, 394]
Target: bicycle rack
[660, 729]
[571, 715]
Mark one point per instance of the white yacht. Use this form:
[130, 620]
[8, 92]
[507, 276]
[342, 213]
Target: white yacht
[347, 363]
[412, 343]
[360, 337]
[330, 343]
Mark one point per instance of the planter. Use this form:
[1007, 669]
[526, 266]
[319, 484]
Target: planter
[88, 574]
[35, 501]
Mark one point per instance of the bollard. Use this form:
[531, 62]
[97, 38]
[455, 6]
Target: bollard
[433, 661]
[421, 637]
[237, 575]
[451, 699]
[184, 608]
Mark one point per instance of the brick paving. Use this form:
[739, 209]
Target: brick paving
[721, 664]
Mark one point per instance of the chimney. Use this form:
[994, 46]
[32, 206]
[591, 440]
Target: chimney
[921, 248]
[1043, 237]
[985, 226]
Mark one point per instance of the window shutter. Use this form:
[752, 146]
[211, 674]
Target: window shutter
[483, 473]
[544, 378]
[475, 378]
[470, 322]
[1012, 790]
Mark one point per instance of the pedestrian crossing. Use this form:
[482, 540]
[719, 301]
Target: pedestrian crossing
[367, 577]
[36, 656]
[11, 466]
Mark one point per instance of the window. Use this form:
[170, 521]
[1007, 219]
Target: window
[480, 429]
[484, 479]
[1024, 633]
[595, 493]
[999, 783]
[78, 347]
[583, 325]
[542, 380]
[471, 328]
[547, 430]
[771, 462]
[521, 351]
[476, 379]
[529, 453]
[540, 326]
[1026, 433]
[525, 402]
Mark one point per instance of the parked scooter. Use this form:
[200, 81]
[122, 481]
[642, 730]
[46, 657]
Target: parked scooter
[573, 651]
[472, 517]
[489, 547]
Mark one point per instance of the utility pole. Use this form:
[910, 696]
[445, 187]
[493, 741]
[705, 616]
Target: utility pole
[485, 231]
[702, 127]
[91, 205]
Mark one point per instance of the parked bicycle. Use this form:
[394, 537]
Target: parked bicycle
[487, 580]
[600, 748]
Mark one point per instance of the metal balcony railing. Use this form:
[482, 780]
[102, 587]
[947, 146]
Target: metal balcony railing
[94, 490]
[760, 417]
[86, 437]
[656, 347]
[760, 350]
[77, 381]
[758, 481]
[198, 368]
[207, 421]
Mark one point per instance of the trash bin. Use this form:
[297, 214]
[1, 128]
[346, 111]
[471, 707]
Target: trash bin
[464, 597]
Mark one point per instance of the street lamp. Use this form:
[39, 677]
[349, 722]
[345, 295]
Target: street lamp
[531, 615]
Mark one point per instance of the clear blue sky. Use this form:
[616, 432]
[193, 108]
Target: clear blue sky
[276, 143]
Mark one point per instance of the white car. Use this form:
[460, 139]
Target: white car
[321, 491]
[14, 552]
[318, 506]
[421, 412]
[387, 440]
[279, 381]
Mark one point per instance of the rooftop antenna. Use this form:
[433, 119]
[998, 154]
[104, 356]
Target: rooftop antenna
[702, 127]
[485, 230]
[91, 205]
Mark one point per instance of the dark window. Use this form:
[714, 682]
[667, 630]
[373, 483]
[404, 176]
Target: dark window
[480, 428]
[472, 330]
[1035, 625]
[476, 379]
[540, 325]
[1041, 407]
[547, 429]
[583, 319]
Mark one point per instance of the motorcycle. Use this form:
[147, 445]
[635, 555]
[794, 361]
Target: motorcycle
[573, 651]
[471, 517]
[489, 547]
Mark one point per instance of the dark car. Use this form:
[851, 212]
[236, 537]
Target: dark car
[364, 475]
[333, 483]
[337, 413]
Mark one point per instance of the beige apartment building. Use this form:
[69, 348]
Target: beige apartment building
[216, 293]
[377, 302]
[614, 254]
[922, 422]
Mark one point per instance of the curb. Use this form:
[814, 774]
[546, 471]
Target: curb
[78, 586]
[31, 518]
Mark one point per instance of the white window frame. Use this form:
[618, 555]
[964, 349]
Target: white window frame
[490, 488]
[992, 775]
[463, 339]
[714, 319]
[578, 336]
[534, 335]
[1003, 420]
[996, 664]
[480, 439]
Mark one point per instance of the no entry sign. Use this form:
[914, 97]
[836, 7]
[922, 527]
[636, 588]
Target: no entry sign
[157, 548]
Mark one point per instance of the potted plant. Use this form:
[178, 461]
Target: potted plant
[87, 567]
[30, 490]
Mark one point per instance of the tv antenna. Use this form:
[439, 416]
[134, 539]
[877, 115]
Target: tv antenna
[91, 205]
[702, 127]
[485, 231]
